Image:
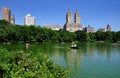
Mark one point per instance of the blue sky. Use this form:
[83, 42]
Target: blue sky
[97, 13]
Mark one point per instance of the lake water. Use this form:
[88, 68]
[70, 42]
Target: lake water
[92, 60]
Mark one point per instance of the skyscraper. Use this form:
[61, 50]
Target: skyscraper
[29, 20]
[69, 17]
[108, 28]
[70, 26]
[6, 14]
[77, 17]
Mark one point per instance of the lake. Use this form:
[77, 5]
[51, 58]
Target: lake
[92, 60]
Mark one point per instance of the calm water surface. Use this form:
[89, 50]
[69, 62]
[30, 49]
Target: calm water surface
[92, 60]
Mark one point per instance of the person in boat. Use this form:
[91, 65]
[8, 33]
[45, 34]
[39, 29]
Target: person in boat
[74, 46]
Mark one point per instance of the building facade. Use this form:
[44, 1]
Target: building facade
[6, 14]
[29, 20]
[56, 27]
[89, 29]
[12, 19]
[73, 26]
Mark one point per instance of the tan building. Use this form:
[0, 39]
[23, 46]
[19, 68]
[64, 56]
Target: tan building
[70, 26]
[6, 14]
[56, 27]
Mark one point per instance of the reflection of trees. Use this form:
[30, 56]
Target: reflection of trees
[90, 47]
[108, 51]
[104, 49]
[73, 58]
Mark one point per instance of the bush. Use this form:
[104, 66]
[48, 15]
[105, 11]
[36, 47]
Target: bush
[29, 65]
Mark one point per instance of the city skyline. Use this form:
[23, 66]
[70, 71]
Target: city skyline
[96, 13]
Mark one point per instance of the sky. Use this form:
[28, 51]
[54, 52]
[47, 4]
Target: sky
[96, 13]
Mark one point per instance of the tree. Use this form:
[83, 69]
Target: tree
[81, 36]
[100, 36]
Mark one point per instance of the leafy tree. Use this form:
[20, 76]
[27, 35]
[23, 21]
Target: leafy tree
[100, 36]
[81, 36]
[108, 35]
[4, 22]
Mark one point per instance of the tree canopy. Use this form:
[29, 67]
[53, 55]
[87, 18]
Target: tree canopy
[21, 34]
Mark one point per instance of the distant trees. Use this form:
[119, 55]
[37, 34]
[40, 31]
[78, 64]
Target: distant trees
[21, 34]
[81, 36]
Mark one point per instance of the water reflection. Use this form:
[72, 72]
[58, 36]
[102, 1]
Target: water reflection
[92, 49]
[104, 49]
[99, 59]
[73, 58]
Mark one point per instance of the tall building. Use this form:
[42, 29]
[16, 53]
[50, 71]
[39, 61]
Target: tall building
[6, 14]
[77, 17]
[108, 28]
[69, 17]
[12, 19]
[29, 20]
[70, 26]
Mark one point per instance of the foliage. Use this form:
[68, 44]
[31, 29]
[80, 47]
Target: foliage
[81, 36]
[23, 64]
[36, 34]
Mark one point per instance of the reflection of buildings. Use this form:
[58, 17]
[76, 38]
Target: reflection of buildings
[70, 26]
[73, 59]
[53, 26]
[68, 57]
[6, 15]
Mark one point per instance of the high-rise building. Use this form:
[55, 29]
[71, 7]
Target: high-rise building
[29, 20]
[12, 19]
[6, 14]
[70, 26]
[108, 28]
[77, 17]
[69, 17]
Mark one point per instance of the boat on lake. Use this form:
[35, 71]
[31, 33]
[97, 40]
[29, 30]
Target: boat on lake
[74, 46]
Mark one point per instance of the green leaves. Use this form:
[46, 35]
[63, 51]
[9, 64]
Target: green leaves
[21, 64]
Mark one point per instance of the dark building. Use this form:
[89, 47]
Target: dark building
[108, 28]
